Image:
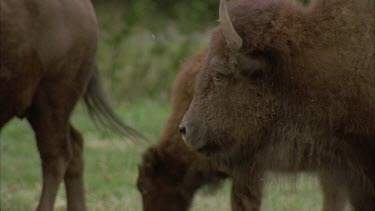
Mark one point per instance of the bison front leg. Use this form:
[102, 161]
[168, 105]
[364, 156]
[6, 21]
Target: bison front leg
[334, 196]
[73, 178]
[247, 192]
[244, 201]
[362, 196]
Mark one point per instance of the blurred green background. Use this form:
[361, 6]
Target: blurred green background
[142, 44]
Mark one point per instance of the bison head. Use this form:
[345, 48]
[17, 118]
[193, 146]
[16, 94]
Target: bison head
[161, 182]
[235, 103]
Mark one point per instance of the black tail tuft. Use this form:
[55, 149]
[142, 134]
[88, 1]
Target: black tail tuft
[100, 110]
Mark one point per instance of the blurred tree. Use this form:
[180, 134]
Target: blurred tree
[192, 14]
[143, 42]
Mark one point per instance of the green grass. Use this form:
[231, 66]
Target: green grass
[111, 168]
[110, 161]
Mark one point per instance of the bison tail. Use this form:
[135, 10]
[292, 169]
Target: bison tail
[102, 113]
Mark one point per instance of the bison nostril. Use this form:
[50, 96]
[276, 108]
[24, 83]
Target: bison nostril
[182, 130]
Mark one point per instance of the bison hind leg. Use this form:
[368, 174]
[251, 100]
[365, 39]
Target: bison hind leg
[55, 152]
[59, 144]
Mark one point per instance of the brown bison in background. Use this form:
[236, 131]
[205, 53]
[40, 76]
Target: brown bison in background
[171, 173]
[47, 63]
[289, 88]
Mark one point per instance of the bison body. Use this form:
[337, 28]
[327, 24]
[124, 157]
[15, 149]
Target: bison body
[40, 41]
[287, 87]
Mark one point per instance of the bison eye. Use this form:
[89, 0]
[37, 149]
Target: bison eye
[218, 76]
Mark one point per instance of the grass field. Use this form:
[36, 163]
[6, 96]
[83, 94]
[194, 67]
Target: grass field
[111, 168]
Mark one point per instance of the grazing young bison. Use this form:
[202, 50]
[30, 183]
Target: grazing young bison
[289, 88]
[47, 64]
[170, 172]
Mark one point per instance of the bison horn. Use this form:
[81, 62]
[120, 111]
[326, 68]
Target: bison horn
[233, 40]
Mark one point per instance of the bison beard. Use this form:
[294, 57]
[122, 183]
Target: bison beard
[296, 92]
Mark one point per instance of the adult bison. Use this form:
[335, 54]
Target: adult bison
[171, 173]
[47, 64]
[286, 87]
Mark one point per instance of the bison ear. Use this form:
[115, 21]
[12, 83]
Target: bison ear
[151, 162]
[252, 66]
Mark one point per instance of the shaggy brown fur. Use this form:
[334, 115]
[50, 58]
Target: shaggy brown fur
[171, 173]
[299, 95]
[47, 63]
